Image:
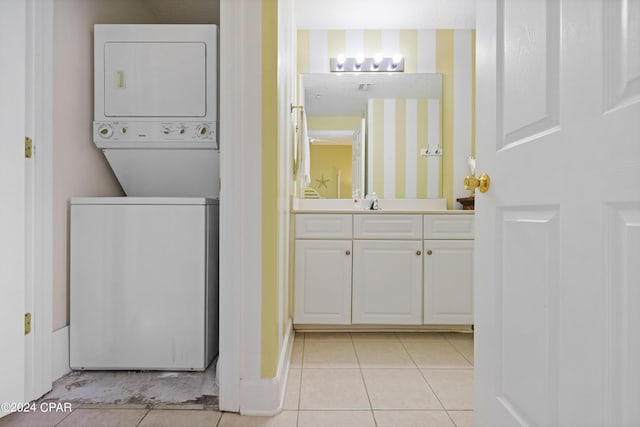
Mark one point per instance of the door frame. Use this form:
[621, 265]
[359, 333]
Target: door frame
[12, 208]
[39, 241]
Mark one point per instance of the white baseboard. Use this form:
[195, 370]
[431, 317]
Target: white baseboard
[265, 396]
[60, 353]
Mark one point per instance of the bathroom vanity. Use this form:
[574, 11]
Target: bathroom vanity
[389, 267]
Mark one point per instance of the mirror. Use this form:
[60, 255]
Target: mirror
[374, 132]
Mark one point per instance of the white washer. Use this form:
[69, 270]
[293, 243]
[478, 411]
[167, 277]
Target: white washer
[144, 283]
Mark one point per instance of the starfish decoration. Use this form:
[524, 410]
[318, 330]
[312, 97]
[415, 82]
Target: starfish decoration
[322, 182]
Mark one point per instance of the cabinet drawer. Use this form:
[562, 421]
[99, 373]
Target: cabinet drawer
[449, 226]
[323, 226]
[381, 226]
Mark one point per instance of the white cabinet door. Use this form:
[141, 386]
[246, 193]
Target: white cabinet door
[448, 282]
[387, 282]
[323, 282]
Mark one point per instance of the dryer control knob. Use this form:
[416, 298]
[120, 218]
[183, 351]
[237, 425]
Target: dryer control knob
[105, 131]
[166, 130]
[203, 131]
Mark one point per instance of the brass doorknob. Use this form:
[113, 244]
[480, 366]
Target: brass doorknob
[481, 183]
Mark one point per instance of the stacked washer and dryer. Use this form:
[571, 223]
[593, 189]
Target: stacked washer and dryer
[144, 268]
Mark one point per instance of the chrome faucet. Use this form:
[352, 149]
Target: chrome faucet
[373, 202]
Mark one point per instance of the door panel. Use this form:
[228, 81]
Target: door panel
[622, 52]
[530, 40]
[528, 297]
[623, 277]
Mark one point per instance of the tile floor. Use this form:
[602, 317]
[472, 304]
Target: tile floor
[335, 379]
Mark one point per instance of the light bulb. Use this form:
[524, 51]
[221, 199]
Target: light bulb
[341, 60]
[396, 59]
[377, 60]
[359, 59]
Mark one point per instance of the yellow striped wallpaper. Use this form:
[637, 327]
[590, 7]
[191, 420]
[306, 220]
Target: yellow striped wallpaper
[406, 126]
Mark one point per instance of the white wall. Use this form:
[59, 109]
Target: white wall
[79, 168]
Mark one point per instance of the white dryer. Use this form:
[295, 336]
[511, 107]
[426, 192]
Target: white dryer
[156, 107]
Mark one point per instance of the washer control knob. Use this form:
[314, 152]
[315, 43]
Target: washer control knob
[182, 130]
[166, 130]
[105, 131]
[123, 130]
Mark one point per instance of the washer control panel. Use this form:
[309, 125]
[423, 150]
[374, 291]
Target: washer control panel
[154, 132]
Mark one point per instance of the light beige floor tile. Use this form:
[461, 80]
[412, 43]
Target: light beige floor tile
[333, 389]
[283, 419]
[462, 418]
[104, 418]
[185, 418]
[382, 354]
[336, 419]
[329, 354]
[435, 355]
[454, 387]
[292, 392]
[112, 406]
[327, 336]
[399, 389]
[296, 352]
[463, 343]
[430, 337]
[33, 419]
[412, 419]
[374, 336]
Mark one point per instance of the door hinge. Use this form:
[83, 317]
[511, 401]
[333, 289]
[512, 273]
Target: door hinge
[28, 147]
[27, 323]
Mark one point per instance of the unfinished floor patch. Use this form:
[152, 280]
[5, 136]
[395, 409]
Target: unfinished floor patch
[137, 387]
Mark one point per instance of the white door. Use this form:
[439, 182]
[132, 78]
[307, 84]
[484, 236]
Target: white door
[558, 232]
[387, 282]
[323, 282]
[12, 200]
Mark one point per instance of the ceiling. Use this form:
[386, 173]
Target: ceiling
[385, 14]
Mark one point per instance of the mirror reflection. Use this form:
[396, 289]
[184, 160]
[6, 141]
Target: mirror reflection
[373, 132]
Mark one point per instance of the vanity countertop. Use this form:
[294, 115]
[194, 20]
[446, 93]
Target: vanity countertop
[387, 206]
[382, 211]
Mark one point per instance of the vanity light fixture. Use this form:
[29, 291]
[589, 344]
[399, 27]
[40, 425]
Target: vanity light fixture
[360, 63]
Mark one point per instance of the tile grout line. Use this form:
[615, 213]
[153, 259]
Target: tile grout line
[456, 349]
[364, 383]
[144, 416]
[67, 416]
[427, 381]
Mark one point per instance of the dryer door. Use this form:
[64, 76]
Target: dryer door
[155, 79]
